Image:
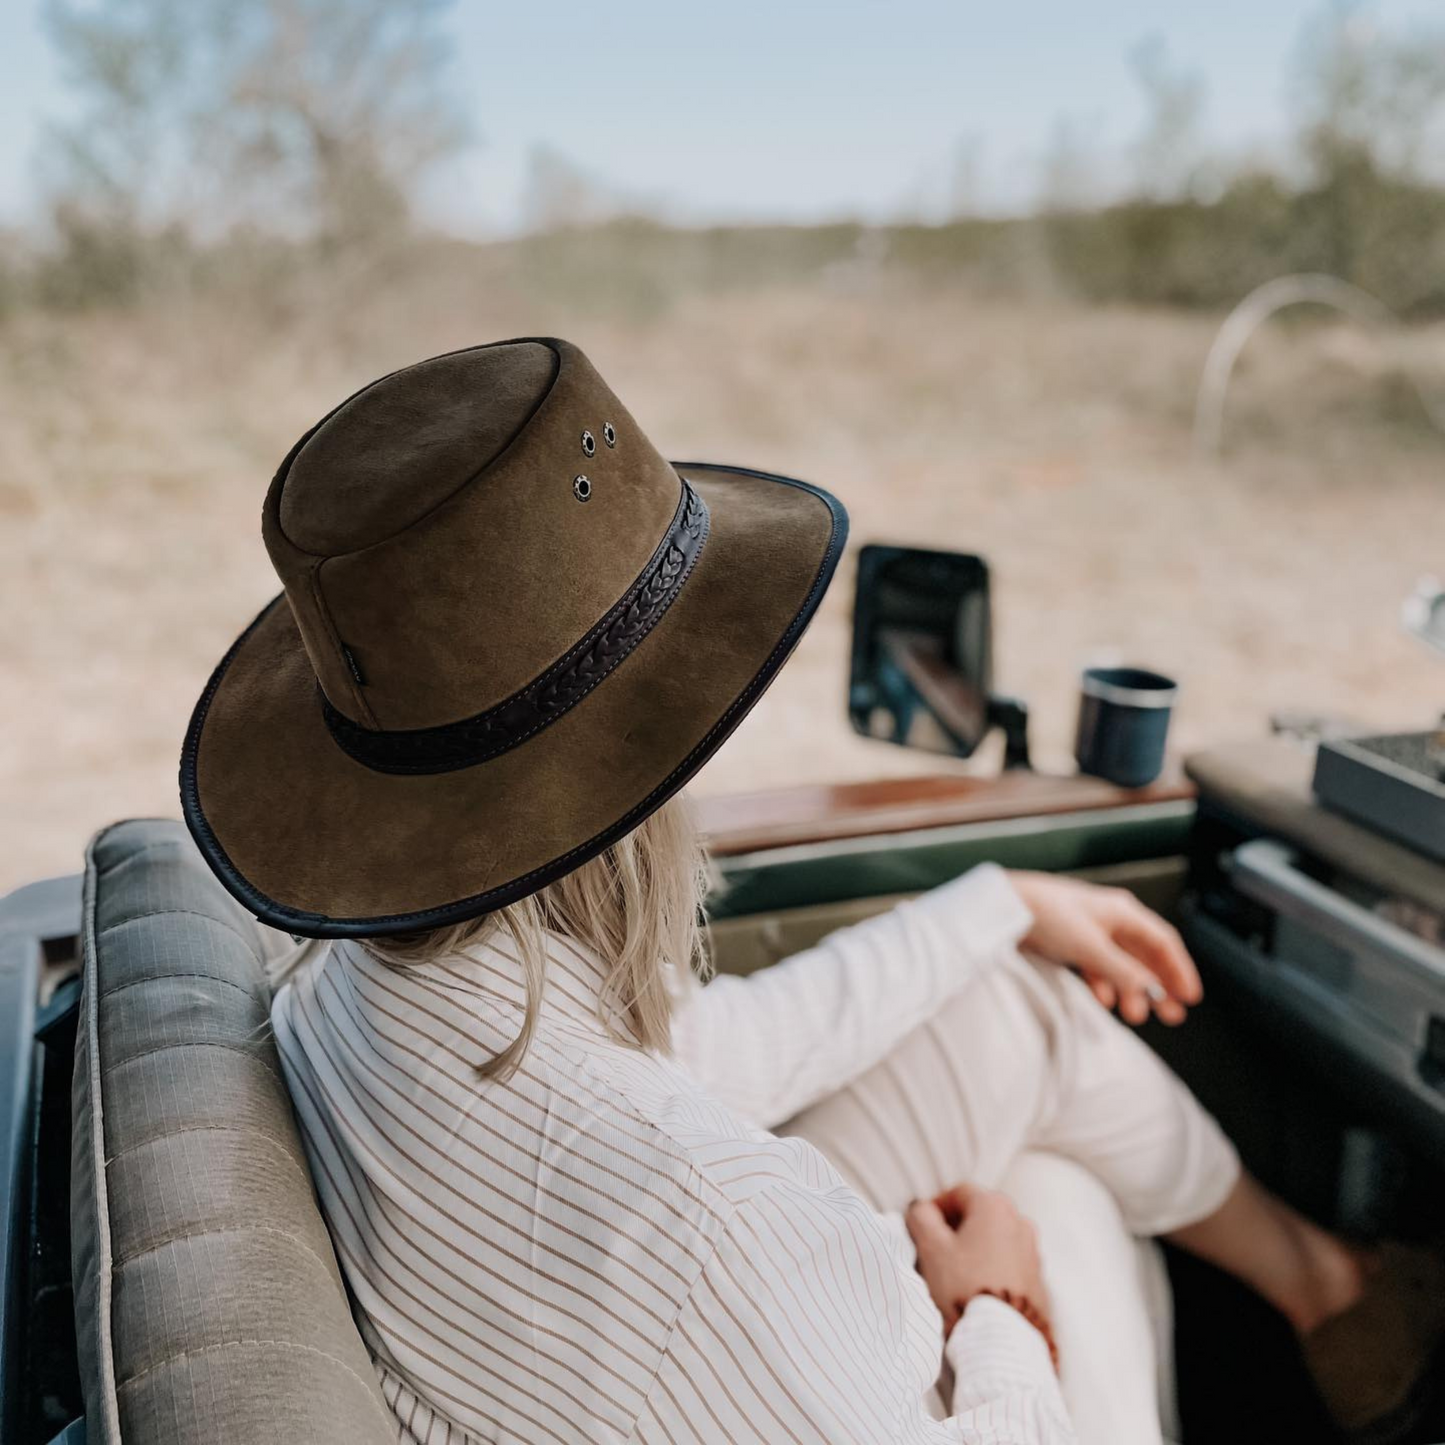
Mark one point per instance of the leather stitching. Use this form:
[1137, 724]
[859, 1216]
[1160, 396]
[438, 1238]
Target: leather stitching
[165, 1135]
[181, 912]
[191, 1044]
[182, 1236]
[169, 977]
[180, 1355]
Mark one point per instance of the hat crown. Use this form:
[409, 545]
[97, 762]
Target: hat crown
[437, 547]
[402, 445]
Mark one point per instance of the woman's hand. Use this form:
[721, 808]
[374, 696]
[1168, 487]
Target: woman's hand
[1127, 954]
[972, 1241]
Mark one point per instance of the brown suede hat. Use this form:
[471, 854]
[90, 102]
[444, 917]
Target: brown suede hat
[510, 631]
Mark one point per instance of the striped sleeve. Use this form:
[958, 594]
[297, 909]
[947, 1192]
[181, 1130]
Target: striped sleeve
[772, 1043]
[801, 1329]
[1002, 1369]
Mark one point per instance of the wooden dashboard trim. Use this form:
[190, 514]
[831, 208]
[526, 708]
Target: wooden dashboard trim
[786, 817]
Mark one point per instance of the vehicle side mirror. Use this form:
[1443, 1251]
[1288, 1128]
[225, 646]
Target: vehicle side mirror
[922, 666]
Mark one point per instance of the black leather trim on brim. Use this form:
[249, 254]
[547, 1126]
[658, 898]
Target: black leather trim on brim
[719, 726]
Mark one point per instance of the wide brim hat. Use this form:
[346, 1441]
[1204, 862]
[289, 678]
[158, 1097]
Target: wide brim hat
[509, 632]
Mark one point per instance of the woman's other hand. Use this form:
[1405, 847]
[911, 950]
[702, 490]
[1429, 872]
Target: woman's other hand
[1127, 954]
[973, 1241]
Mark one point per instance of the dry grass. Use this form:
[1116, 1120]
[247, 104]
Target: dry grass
[135, 450]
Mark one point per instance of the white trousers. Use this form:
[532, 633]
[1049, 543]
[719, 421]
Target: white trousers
[1024, 1083]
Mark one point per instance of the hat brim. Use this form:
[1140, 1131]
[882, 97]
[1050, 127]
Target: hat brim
[316, 843]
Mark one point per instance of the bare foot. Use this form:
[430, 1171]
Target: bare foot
[1332, 1274]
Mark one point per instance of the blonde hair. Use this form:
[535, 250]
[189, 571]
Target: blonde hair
[637, 906]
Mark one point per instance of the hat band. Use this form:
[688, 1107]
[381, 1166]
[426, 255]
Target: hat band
[560, 688]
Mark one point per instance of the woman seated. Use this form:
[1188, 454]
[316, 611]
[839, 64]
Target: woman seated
[576, 1195]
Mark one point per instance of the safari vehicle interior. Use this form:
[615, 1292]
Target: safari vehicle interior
[164, 1272]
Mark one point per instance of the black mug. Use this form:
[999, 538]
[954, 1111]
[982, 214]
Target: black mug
[1123, 722]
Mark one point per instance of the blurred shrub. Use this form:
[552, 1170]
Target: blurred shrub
[216, 131]
[1185, 253]
[267, 147]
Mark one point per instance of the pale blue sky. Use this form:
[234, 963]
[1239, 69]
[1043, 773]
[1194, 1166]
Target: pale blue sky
[755, 109]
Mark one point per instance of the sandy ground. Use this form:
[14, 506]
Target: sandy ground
[1053, 438]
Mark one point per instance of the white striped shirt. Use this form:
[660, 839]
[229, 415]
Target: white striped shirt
[609, 1246]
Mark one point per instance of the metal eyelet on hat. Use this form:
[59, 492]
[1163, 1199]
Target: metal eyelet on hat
[589, 444]
[609, 434]
[582, 487]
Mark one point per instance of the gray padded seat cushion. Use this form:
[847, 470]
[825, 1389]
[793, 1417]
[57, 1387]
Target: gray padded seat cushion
[207, 1298]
